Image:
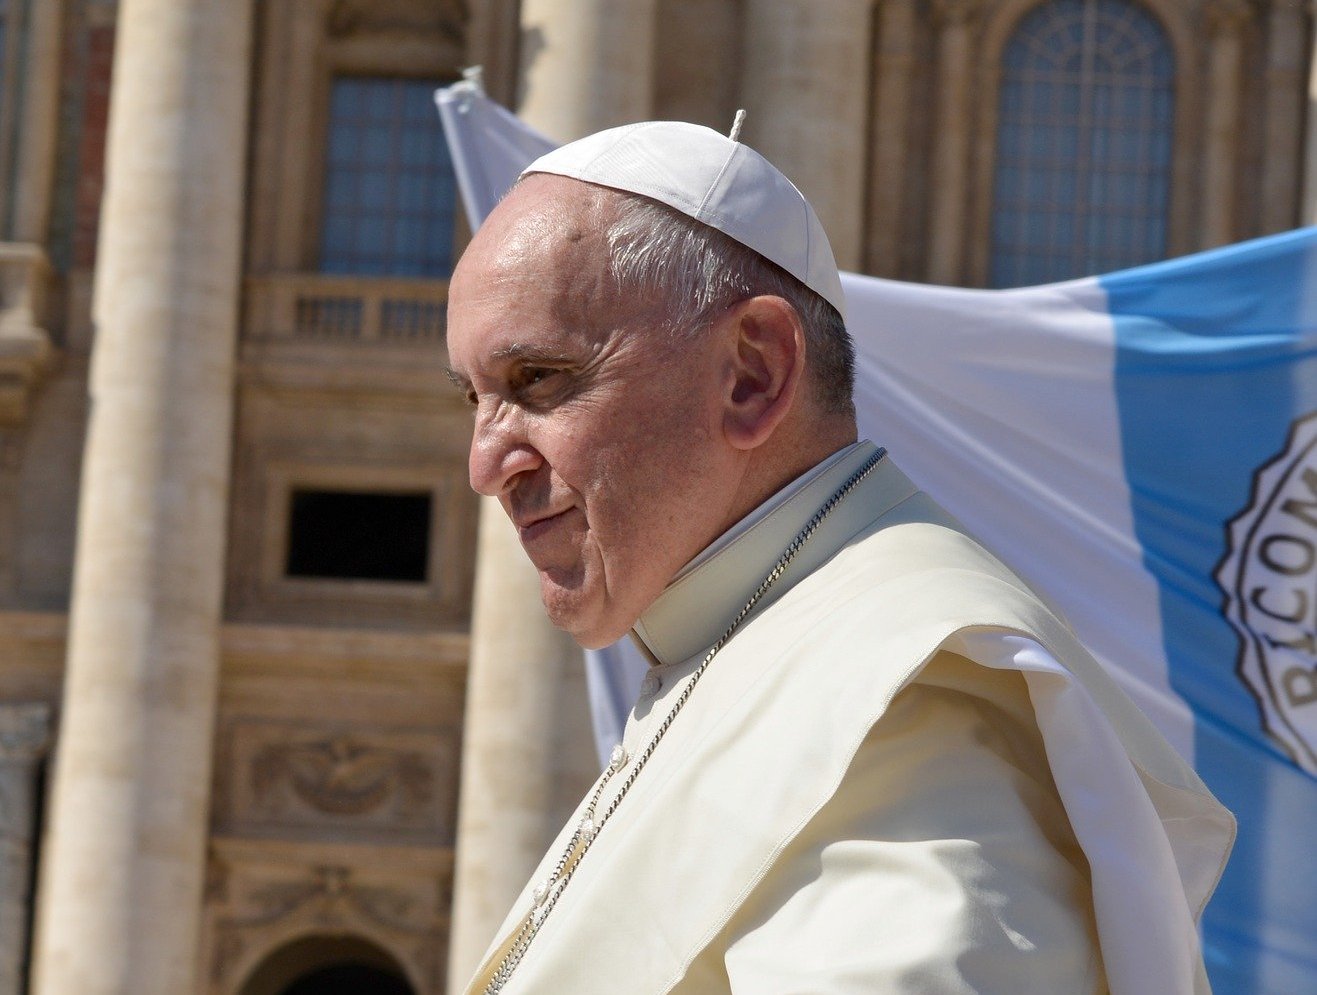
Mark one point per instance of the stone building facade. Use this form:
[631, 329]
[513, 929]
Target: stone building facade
[278, 711]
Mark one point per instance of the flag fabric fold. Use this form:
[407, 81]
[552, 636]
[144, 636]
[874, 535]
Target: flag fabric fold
[1142, 447]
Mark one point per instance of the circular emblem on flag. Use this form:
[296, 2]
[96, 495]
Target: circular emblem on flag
[1269, 577]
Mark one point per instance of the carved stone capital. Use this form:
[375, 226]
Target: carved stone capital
[951, 13]
[1228, 16]
[24, 731]
[25, 349]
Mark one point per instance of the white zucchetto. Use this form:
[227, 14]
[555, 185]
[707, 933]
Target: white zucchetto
[716, 181]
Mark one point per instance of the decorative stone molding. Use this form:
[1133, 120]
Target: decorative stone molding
[446, 18]
[298, 777]
[26, 352]
[340, 775]
[261, 896]
[313, 307]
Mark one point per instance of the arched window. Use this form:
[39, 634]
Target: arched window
[1084, 134]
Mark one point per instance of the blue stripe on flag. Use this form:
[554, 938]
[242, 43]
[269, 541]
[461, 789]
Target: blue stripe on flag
[1215, 362]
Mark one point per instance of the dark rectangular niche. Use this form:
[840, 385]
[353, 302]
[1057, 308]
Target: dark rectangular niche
[359, 535]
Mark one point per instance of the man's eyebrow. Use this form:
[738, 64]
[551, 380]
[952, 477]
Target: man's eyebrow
[517, 351]
[526, 352]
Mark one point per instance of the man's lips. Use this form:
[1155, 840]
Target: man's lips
[532, 528]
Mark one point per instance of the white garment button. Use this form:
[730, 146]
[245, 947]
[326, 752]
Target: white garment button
[650, 686]
[617, 759]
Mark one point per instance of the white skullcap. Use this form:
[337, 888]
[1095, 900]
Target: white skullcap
[714, 180]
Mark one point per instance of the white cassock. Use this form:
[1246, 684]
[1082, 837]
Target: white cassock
[902, 774]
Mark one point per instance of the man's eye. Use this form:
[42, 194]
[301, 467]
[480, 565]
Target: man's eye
[535, 376]
[539, 386]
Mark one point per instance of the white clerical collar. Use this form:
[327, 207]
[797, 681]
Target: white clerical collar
[760, 513]
[697, 606]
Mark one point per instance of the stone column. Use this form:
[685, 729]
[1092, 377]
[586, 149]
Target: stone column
[35, 175]
[952, 117]
[1308, 210]
[526, 752]
[24, 736]
[26, 353]
[586, 65]
[492, 35]
[804, 86]
[122, 870]
[894, 65]
[1226, 20]
[1287, 36]
[697, 61]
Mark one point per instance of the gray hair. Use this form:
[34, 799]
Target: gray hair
[656, 252]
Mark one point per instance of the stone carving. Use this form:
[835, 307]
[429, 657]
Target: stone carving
[302, 776]
[341, 775]
[265, 904]
[276, 900]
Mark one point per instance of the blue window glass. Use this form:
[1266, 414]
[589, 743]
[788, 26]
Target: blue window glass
[1083, 172]
[390, 195]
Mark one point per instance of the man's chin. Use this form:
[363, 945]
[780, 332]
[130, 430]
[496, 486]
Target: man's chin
[577, 615]
[586, 631]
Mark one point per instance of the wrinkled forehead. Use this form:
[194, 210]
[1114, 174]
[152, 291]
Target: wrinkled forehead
[536, 273]
[547, 241]
[544, 216]
[548, 229]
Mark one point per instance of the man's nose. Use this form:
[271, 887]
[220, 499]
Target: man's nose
[498, 456]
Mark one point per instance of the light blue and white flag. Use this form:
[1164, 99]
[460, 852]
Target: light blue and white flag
[1142, 447]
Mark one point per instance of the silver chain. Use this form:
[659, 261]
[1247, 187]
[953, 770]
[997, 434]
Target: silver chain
[587, 830]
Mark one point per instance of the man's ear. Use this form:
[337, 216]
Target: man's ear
[767, 368]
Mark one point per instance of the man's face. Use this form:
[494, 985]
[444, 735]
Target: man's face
[597, 430]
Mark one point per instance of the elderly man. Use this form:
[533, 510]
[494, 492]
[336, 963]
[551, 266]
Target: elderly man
[866, 758]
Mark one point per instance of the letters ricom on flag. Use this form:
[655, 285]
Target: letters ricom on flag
[1142, 447]
[1269, 577]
